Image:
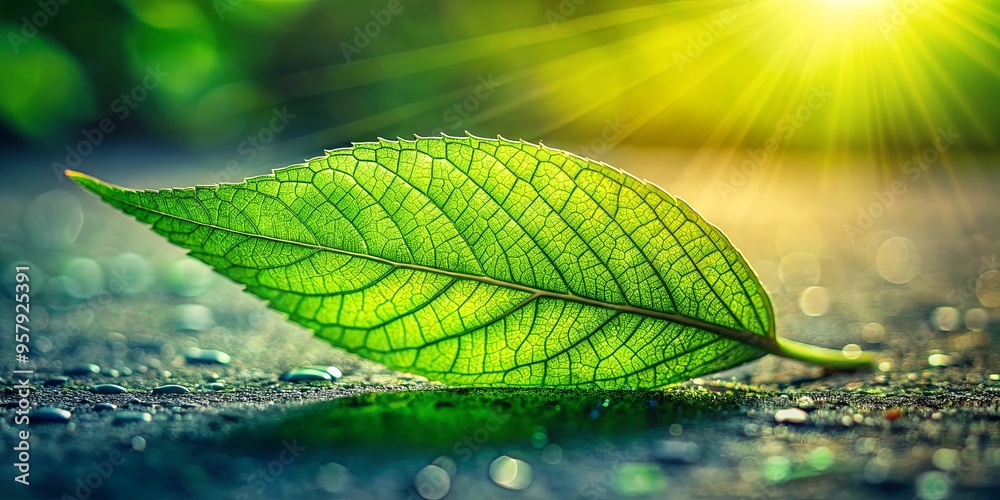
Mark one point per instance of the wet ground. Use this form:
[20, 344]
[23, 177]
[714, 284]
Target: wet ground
[915, 280]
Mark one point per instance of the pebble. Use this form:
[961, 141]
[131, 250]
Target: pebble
[195, 356]
[108, 389]
[791, 416]
[806, 403]
[893, 414]
[128, 417]
[104, 407]
[49, 415]
[56, 381]
[171, 389]
[305, 375]
[676, 452]
[83, 370]
[215, 386]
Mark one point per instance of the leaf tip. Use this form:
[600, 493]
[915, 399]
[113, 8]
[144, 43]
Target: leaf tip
[73, 174]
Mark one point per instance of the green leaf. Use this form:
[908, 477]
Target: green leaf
[482, 262]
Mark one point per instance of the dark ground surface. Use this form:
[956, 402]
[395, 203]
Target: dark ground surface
[909, 429]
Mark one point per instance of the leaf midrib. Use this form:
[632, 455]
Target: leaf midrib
[750, 338]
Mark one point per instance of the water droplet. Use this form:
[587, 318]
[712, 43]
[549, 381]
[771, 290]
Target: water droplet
[798, 271]
[539, 439]
[822, 458]
[49, 415]
[128, 417]
[897, 260]
[83, 370]
[129, 274]
[511, 473]
[552, 454]
[53, 219]
[791, 416]
[776, 469]
[933, 485]
[676, 452]
[61, 293]
[976, 319]
[873, 333]
[138, 443]
[946, 319]
[171, 389]
[214, 386]
[432, 482]
[197, 356]
[638, 479]
[814, 301]
[305, 375]
[946, 459]
[193, 317]
[988, 288]
[851, 351]
[939, 359]
[108, 389]
[87, 276]
[99, 407]
[447, 463]
[189, 278]
[333, 477]
[334, 372]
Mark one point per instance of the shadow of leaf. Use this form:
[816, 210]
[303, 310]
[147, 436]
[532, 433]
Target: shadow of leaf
[446, 418]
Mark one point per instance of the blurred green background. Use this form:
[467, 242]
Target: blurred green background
[668, 74]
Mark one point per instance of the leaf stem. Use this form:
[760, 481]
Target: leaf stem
[830, 358]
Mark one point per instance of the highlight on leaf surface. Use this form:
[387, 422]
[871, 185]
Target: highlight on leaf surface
[482, 262]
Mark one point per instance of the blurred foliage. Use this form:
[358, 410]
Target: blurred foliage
[718, 73]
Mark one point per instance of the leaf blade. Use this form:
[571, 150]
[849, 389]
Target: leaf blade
[449, 251]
